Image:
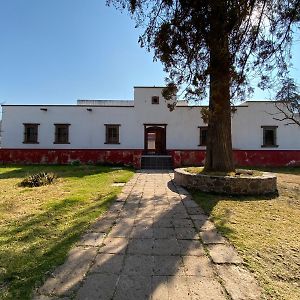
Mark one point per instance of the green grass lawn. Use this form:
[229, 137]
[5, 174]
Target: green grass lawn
[39, 225]
[265, 231]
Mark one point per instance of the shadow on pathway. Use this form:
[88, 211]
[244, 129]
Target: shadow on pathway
[152, 244]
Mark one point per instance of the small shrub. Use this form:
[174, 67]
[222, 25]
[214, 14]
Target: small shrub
[75, 162]
[38, 179]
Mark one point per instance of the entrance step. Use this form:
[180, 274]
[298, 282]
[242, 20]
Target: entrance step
[157, 162]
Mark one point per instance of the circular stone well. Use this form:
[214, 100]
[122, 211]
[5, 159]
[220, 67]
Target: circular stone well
[244, 184]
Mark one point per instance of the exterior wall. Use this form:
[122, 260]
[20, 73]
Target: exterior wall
[247, 131]
[87, 132]
[87, 129]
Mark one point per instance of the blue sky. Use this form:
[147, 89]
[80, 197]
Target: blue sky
[57, 51]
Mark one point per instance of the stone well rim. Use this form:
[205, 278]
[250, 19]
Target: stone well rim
[264, 183]
[264, 174]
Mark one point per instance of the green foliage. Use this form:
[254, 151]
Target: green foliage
[183, 34]
[38, 179]
[75, 162]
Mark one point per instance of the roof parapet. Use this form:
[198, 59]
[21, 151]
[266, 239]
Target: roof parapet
[106, 102]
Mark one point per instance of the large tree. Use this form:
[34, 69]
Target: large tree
[214, 46]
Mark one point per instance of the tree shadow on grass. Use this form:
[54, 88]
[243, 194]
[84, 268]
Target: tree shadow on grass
[36, 244]
[208, 201]
[62, 171]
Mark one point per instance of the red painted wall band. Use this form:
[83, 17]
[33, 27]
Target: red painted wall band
[132, 157]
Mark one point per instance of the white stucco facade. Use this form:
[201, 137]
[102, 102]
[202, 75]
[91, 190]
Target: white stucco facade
[87, 122]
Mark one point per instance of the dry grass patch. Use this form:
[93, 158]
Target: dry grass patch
[39, 225]
[266, 232]
[238, 172]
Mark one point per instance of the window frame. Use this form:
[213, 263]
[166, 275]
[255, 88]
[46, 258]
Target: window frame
[56, 140]
[25, 137]
[274, 129]
[107, 138]
[155, 100]
[201, 129]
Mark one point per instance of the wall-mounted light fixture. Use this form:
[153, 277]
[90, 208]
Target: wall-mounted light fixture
[44, 109]
[89, 109]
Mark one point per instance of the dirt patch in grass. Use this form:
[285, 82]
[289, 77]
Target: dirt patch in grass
[265, 231]
[39, 225]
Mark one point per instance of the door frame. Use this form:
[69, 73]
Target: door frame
[153, 125]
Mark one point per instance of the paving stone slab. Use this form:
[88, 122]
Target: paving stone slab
[159, 288]
[98, 286]
[202, 217]
[178, 288]
[68, 276]
[112, 214]
[168, 265]
[138, 265]
[179, 215]
[103, 225]
[204, 225]
[183, 192]
[194, 210]
[122, 197]
[121, 230]
[164, 233]
[130, 206]
[142, 232]
[191, 247]
[125, 222]
[114, 245]
[133, 287]
[145, 213]
[184, 233]
[239, 283]
[116, 206]
[128, 213]
[221, 253]
[199, 266]
[187, 223]
[163, 222]
[212, 237]
[143, 222]
[166, 247]
[188, 202]
[141, 246]
[92, 239]
[186, 197]
[107, 263]
[205, 288]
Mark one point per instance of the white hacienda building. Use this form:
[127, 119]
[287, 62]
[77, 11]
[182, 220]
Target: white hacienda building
[130, 131]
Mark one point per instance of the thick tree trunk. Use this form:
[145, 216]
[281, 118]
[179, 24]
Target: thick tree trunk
[219, 146]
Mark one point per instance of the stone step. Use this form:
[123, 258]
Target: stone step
[157, 162]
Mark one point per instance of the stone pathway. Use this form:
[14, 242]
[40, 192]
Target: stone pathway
[154, 243]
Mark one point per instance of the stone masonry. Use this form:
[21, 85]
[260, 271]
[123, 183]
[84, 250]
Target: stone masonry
[154, 243]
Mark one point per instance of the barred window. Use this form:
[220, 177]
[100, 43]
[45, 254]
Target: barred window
[31, 133]
[61, 134]
[155, 100]
[269, 136]
[112, 133]
[203, 136]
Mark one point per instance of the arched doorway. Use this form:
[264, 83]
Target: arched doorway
[155, 139]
